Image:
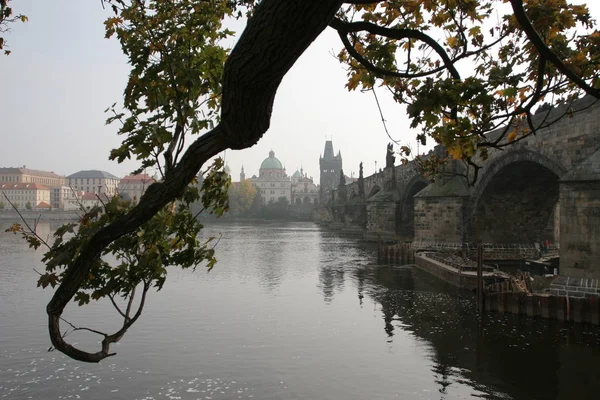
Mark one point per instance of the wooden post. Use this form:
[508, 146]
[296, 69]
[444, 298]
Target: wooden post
[480, 278]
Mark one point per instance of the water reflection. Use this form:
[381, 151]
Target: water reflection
[295, 312]
[340, 254]
[526, 358]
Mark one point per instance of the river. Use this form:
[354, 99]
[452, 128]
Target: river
[291, 311]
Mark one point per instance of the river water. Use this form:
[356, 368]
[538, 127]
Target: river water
[292, 311]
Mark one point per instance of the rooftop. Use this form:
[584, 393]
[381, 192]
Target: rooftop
[271, 162]
[95, 196]
[92, 173]
[26, 171]
[143, 178]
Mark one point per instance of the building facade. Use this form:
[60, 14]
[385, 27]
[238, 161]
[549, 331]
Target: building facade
[272, 182]
[26, 175]
[48, 179]
[25, 195]
[94, 181]
[132, 187]
[304, 190]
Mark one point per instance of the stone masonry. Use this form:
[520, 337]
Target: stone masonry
[545, 187]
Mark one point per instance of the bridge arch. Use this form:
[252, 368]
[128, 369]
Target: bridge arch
[405, 211]
[516, 199]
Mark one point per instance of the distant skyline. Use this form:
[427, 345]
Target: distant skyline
[62, 75]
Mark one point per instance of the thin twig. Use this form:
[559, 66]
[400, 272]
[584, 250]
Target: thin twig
[114, 303]
[382, 117]
[32, 231]
[75, 328]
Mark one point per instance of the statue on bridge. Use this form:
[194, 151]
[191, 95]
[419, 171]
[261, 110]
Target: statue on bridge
[389, 157]
[342, 178]
[361, 181]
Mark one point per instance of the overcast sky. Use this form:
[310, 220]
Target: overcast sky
[62, 75]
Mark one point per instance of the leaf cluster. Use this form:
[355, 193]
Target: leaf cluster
[6, 18]
[466, 68]
[169, 239]
[241, 197]
[176, 53]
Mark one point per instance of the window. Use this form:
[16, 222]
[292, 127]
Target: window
[272, 192]
[88, 180]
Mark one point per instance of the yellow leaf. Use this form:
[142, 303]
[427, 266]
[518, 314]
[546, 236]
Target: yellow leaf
[452, 41]
[512, 136]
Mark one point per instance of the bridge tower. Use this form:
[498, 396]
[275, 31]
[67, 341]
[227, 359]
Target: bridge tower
[330, 166]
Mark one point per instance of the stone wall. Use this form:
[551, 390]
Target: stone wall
[575, 287]
[381, 216]
[356, 217]
[564, 143]
[439, 219]
[580, 229]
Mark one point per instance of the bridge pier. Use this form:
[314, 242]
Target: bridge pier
[440, 211]
[381, 216]
[580, 220]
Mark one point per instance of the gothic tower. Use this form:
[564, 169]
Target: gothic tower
[242, 174]
[330, 166]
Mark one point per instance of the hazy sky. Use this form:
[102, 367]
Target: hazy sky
[63, 74]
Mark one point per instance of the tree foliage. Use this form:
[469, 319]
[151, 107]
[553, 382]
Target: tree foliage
[7, 17]
[175, 80]
[241, 197]
[464, 68]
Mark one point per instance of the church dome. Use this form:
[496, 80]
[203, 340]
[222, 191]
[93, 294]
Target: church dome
[271, 162]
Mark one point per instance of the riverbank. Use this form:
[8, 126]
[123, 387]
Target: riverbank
[30, 215]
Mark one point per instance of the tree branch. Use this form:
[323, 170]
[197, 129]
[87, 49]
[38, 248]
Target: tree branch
[344, 28]
[275, 37]
[545, 51]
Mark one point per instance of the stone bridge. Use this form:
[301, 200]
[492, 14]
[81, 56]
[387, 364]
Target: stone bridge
[544, 187]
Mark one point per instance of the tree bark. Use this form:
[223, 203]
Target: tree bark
[273, 40]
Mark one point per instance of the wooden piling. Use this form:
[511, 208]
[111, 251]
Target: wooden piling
[480, 303]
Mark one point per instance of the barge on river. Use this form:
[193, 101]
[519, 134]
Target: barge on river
[458, 271]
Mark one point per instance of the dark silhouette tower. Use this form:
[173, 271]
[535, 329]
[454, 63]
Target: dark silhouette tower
[331, 166]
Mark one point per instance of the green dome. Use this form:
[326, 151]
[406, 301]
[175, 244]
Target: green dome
[297, 174]
[271, 162]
